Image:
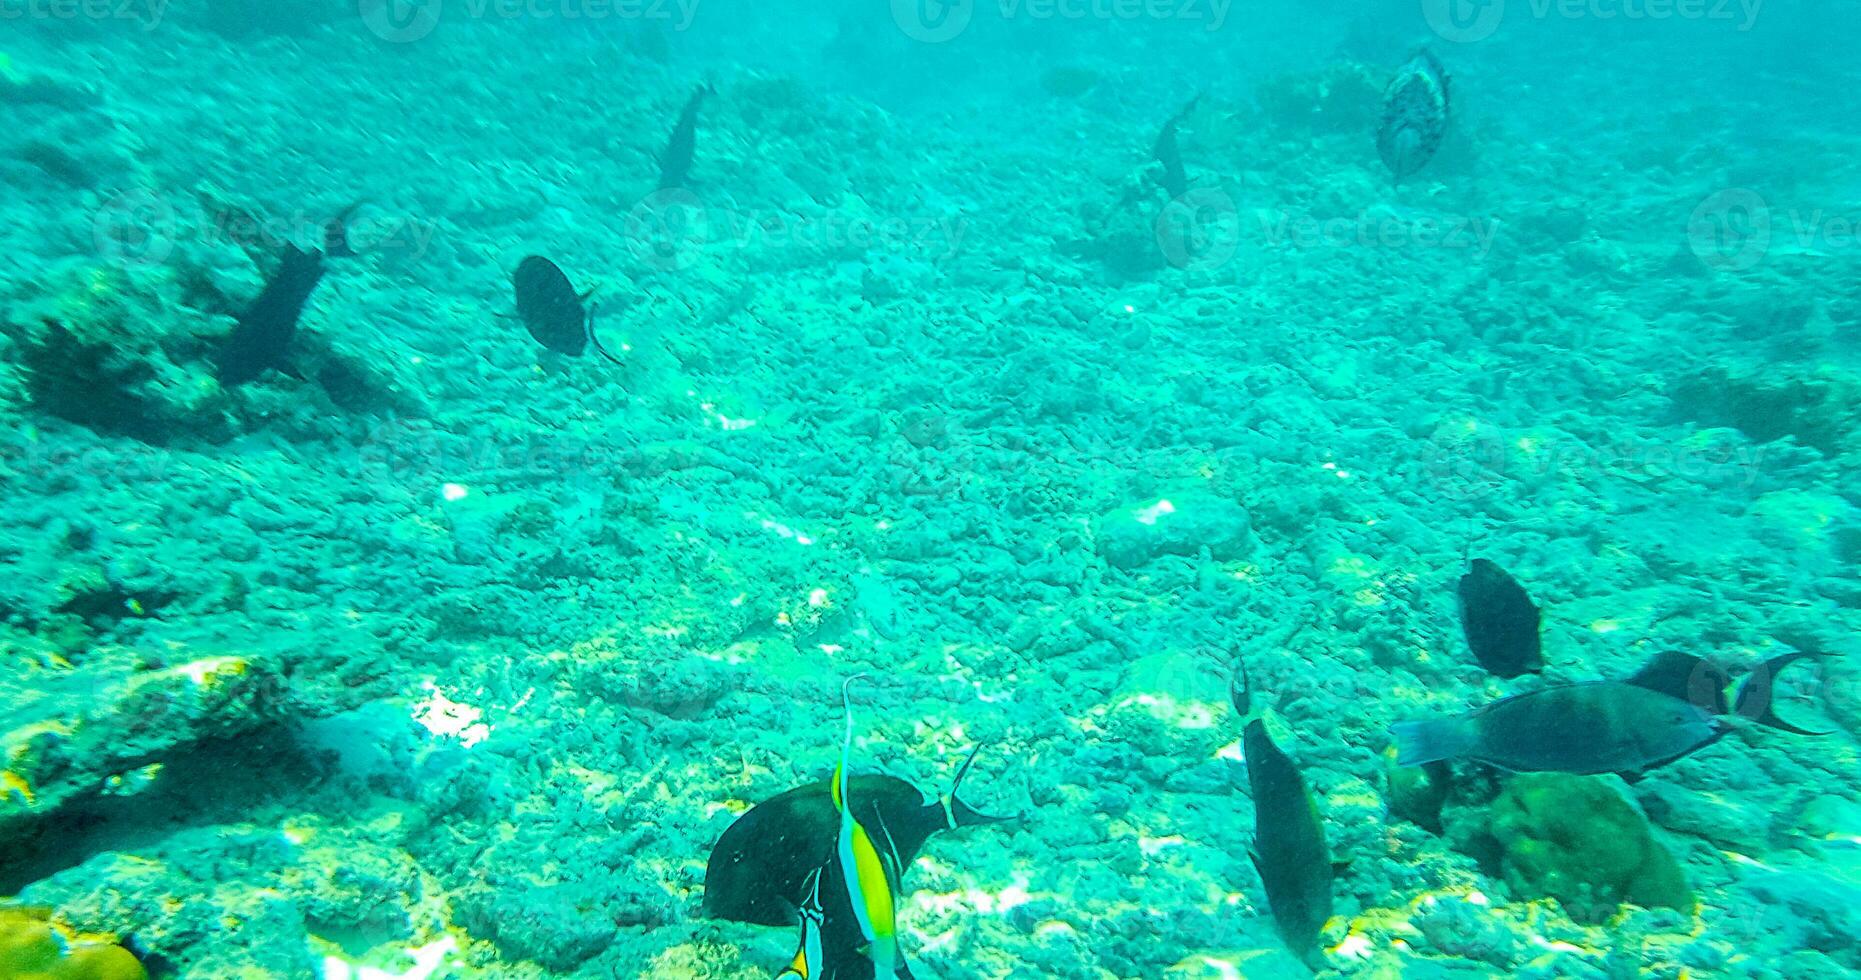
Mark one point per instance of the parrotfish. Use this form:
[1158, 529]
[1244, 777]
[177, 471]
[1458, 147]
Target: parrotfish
[1416, 109]
[261, 340]
[1289, 849]
[1500, 621]
[675, 161]
[1671, 708]
[555, 314]
[809, 956]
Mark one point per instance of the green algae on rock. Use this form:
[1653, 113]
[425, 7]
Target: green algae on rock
[1578, 840]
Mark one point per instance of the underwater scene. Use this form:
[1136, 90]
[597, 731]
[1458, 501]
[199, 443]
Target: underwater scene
[939, 489]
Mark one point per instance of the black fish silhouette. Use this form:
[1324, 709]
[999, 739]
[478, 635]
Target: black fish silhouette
[1416, 109]
[554, 313]
[1175, 179]
[261, 340]
[675, 161]
[759, 869]
[1289, 849]
[1500, 621]
[1669, 709]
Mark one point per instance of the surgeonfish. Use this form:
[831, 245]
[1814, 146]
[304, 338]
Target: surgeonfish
[870, 878]
[554, 313]
[1289, 849]
[261, 339]
[1669, 709]
[1416, 110]
[1500, 621]
[675, 161]
[808, 953]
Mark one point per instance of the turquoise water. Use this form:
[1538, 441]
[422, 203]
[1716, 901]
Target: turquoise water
[1037, 362]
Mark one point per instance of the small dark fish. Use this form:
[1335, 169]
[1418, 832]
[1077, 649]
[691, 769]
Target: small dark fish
[1415, 116]
[556, 315]
[1668, 710]
[261, 339]
[759, 869]
[1289, 849]
[675, 162]
[1500, 621]
[1175, 179]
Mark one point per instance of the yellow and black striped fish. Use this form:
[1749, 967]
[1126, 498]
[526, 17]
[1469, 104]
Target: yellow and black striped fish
[870, 878]
[808, 954]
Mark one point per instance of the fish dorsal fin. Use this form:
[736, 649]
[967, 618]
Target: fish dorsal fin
[1695, 680]
[956, 812]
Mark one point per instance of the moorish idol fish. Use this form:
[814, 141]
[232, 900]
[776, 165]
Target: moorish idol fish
[1415, 116]
[261, 340]
[553, 311]
[1500, 621]
[808, 953]
[759, 869]
[1669, 709]
[869, 877]
[1289, 849]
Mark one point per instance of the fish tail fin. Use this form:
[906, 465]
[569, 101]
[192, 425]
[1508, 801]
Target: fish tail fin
[336, 233]
[1431, 740]
[1755, 700]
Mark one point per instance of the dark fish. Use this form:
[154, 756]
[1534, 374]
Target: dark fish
[675, 162]
[554, 312]
[759, 870]
[1175, 178]
[1415, 116]
[261, 340]
[1670, 709]
[1500, 621]
[1289, 844]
